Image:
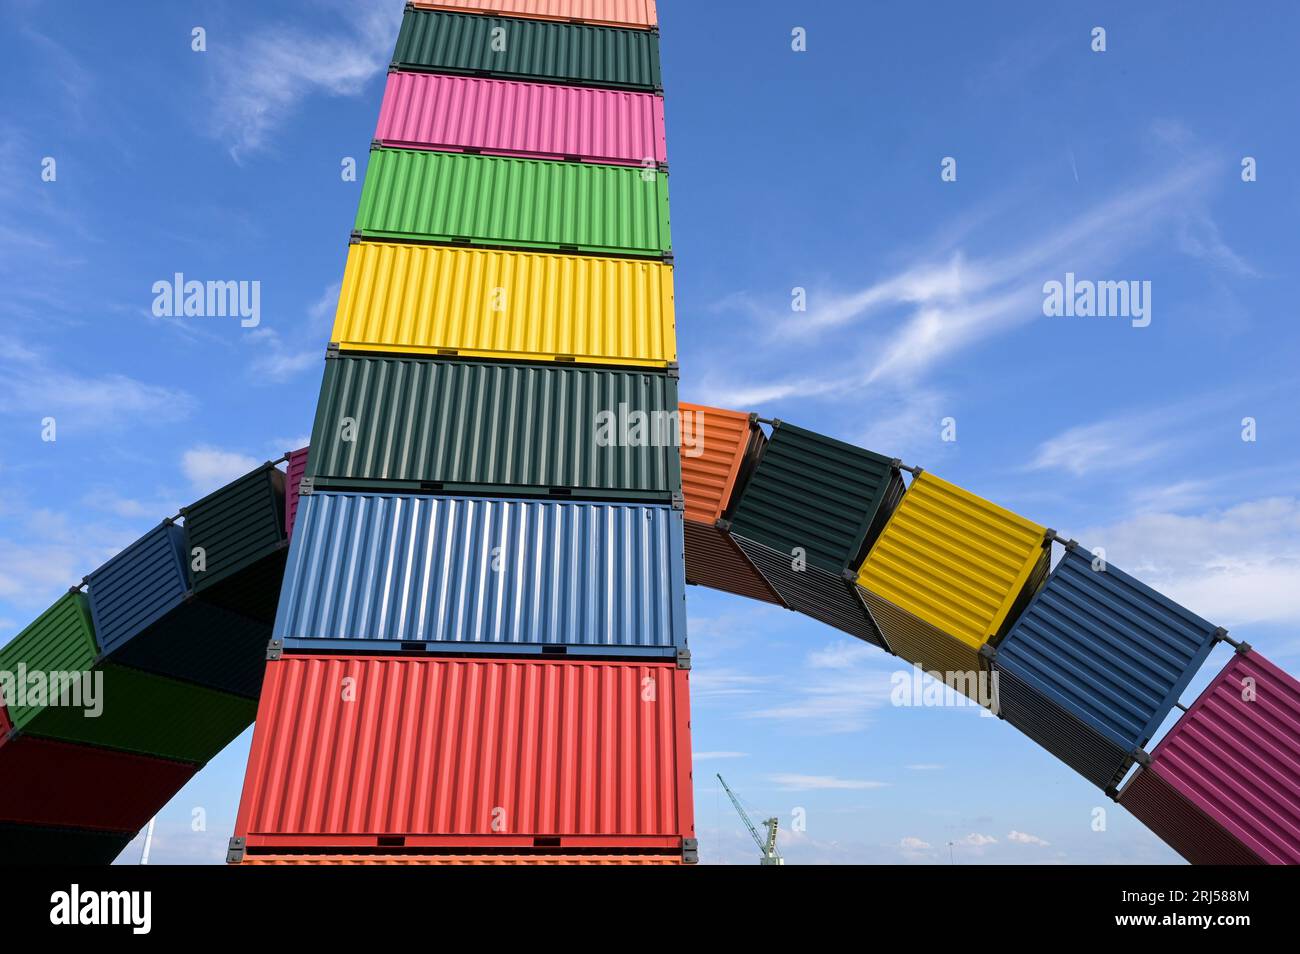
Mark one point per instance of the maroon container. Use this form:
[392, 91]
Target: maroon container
[77, 786]
[297, 468]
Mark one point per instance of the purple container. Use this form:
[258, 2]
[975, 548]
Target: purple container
[297, 466]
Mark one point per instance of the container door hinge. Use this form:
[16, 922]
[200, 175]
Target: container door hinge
[235, 853]
[274, 650]
[690, 851]
[683, 658]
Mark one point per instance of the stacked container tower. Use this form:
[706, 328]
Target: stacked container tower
[460, 615]
[480, 653]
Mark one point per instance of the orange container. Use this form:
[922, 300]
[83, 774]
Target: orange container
[635, 14]
[462, 860]
[716, 446]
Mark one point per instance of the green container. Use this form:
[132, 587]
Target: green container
[61, 639]
[454, 198]
[568, 53]
[471, 427]
[824, 496]
[151, 715]
[239, 527]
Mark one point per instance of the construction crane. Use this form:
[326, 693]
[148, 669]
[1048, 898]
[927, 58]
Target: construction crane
[766, 845]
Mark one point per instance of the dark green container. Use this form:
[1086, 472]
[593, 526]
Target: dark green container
[38, 845]
[60, 640]
[825, 496]
[472, 427]
[241, 531]
[537, 50]
[151, 715]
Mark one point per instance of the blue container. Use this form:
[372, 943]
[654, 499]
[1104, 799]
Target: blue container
[146, 618]
[138, 587]
[1096, 664]
[469, 574]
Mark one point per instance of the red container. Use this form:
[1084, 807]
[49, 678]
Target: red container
[1235, 757]
[297, 467]
[533, 120]
[1180, 824]
[58, 784]
[435, 753]
[462, 860]
[5, 724]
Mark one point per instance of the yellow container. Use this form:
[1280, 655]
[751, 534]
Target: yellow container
[426, 299]
[950, 573]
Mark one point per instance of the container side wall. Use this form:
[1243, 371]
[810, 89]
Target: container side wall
[633, 14]
[1180, 824]
[714, 442]
[60, 640]
[296, 470]
[138, 587]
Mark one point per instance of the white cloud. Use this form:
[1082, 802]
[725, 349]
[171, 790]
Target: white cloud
[726, 682]
[712, 756]
[817, 783]
[976, 840]
[208, 468]
[924, 767]
[1107, 445]
[47, 552]
[1236, 567]
[261, 80]
[1023, 838]
[282, 355]
[915, 849]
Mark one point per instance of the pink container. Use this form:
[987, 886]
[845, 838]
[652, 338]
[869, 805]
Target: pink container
[534, 120]
[1235, 755]
[297, 466]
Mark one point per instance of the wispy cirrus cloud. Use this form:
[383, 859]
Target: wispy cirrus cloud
[208, 468]
[263, 78]
[822, 783]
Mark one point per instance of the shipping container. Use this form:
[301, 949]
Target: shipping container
[1181, 825]
[405, 424]
[619, 13]
[455, 302]
[146, 617]
[240, 531]
[60, 640]
[949, 574]
[333, 860]
[130, 711]
[528, 120]
[1235, 756]
[570, 53]
[36, 845]
[5, 724]
[718, 446]
[78, 786]
[826, 498]
[810, 590]
[376, 571]
[714, 560]
[411, 752]
[498, 202]
[296, 469]
[1096, 663]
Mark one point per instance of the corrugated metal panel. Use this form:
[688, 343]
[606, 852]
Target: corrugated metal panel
[138, 587]
[151, 715]
[5, 724]
[714, 560]
[1106, 648]
[824, 597]
[954, 561]
[438, 752]
[448, 197]
[624, 13]
[35, 845]
[60, 640]
[1094, 756]
[237, 526]
[1235, 755]
[78, 786]
[205, 644]
[511, 430]
[532, 120]
[425, 299]
[296, 469]
[528, 49]
[1180, 824]
[528, 860]
[813, 492]
[721, 441]
[473, 573]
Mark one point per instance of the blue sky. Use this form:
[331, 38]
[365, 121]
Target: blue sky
[817, 170]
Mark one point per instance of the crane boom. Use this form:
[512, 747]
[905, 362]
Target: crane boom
[766, 845]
